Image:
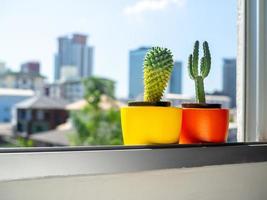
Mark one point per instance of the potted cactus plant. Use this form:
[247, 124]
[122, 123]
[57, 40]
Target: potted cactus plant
[202, 122]
[153, 121]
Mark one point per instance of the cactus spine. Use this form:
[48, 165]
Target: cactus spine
[158, 65]
[193, 69]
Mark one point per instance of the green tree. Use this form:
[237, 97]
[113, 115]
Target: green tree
[96, 87]
[24, 142]
[94, 125]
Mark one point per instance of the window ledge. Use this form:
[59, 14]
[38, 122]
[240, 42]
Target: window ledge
[26, 163]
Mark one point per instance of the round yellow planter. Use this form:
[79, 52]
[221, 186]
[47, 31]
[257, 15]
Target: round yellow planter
[143, 125]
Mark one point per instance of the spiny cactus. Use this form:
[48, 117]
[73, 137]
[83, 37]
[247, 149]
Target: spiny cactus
[158, 65]
[194, 73]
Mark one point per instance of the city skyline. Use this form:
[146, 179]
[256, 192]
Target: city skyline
[118, 28]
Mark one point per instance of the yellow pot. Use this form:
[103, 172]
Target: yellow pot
[142, 125]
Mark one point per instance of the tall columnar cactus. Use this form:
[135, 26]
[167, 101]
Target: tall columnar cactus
[158, 65]
[199, 75]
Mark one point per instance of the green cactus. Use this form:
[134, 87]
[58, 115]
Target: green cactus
[194, 74]
[158, 65]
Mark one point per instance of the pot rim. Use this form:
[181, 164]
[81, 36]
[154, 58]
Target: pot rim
[202, 105]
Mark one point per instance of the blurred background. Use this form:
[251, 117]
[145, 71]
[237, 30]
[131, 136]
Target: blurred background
[66, 67]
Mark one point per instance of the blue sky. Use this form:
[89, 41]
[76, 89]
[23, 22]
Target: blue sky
[29, 28]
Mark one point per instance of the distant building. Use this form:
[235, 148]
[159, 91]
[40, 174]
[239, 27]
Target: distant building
[75, 52]
[30, 67]
[8, 98]
[232, 132]
[175, 86]
[70, 90]
[73, 90]
[21, 80]
[178, 99]
[136, 84]
[2, 67]
[54, 90]
[68, 73]
[229, 80]
[38, 114]
[28, 77]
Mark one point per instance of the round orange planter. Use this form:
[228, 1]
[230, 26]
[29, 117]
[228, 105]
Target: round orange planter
[144, 125]
[204, 125]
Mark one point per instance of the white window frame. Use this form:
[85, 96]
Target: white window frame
[251, 69]
[252, 110]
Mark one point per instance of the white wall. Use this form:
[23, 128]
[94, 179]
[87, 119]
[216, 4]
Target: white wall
[224, 182]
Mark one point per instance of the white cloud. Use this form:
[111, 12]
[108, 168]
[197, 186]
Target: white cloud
[142, 6]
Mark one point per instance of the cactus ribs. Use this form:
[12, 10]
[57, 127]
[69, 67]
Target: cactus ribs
[158, 67]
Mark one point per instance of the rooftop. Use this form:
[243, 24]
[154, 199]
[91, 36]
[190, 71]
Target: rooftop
[140, 49]
[42, 102]
[15, 92]
[58, 136]
[105, 104]
[54, 137]
[21, 74]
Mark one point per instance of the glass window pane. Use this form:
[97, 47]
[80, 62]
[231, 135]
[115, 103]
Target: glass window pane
[77, 62]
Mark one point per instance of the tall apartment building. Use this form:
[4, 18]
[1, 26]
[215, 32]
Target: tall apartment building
[175, 86]
[229, 80]
[136, 85]
[74, 51]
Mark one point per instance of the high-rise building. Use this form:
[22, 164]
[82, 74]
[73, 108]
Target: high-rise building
[175, 85]
[229, 80]
[31, 67]
[136, 84]
[74, 51]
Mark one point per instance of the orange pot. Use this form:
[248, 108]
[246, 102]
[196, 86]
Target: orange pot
[204, 125]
